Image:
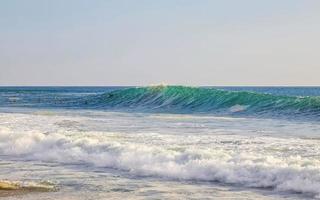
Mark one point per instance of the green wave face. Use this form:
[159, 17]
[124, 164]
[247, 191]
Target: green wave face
[180, 99]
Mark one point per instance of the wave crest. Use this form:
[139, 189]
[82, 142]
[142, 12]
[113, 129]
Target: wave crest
[180, 99]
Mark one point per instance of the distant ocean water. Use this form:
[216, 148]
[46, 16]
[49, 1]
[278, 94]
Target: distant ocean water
[163, 142]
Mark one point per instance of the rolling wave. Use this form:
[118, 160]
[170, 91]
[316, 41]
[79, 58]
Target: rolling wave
[172, 99]
[180, 99]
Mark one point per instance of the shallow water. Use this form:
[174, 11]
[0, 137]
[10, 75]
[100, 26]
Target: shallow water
[94, 154]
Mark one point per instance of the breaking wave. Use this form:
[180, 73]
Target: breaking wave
[180, 99]
[173, 99]
[250, 169]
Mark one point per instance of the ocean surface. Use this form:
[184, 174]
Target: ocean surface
[162, 142]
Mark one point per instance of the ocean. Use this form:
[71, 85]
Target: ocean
[162, 142]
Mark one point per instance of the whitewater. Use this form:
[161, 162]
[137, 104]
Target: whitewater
[162, 142]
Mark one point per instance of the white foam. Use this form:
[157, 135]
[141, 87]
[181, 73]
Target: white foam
[238, 108]
[248, 161]
[191, 117]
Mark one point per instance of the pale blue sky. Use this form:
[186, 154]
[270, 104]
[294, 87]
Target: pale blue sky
[101, 42]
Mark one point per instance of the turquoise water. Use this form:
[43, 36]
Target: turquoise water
[259, 102]
[162, 142]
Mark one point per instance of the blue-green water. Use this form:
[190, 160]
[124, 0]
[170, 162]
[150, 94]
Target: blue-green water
[162, 142]
[290, 102]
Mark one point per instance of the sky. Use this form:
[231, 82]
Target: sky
[148, 42]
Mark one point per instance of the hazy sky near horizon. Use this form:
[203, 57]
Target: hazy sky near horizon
[143, 42]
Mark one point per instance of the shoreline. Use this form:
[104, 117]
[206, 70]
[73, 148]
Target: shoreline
[11, 188]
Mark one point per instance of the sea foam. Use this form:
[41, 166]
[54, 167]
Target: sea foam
[221, 162]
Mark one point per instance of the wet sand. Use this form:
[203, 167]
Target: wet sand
[8, 188]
